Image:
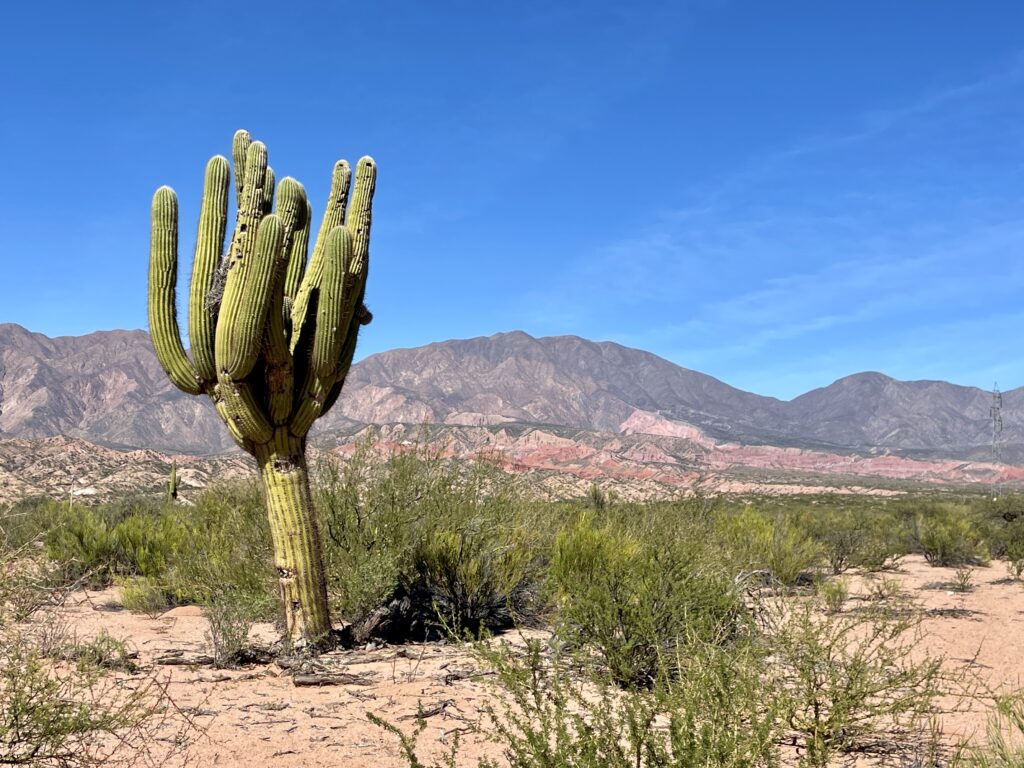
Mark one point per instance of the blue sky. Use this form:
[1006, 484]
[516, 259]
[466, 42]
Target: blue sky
[777, 194]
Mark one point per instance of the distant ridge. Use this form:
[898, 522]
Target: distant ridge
[108, 388]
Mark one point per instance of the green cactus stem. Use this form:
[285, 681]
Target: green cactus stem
[172, 483]
[272, 336]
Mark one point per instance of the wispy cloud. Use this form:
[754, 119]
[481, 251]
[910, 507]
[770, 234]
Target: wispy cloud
[860, 243]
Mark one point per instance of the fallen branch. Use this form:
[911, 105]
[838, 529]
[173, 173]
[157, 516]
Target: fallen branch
[317, 680]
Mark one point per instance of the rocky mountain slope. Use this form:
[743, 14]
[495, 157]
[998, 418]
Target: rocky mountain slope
[569, 381]
[107, 387]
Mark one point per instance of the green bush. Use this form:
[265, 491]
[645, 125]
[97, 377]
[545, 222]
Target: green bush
[231, 616]
[753, 541]
[833, 593]
[470, 580]
[554, 711]
[884, 589]
[99, 543]
[84, 544]
[1005, 745]
[28, 521]
[888, 539]
[369, 511]
[842, 535]
[102, 652]
[148, 543]
[1009, 545]
[850, 682]
[73, 716]
[143, 594]
[27, 581]
[947, 535]
[228, 549]
[416, 547]
[637, 601]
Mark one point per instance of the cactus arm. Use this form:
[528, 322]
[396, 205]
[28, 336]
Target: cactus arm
[321, 394]
[244, 411]
[209, 247]
[297, 260]
[291, 208]
[324, 377]
[344, 365]
[267, 204]
[247, 293]
[335, 285]
[334, 216]
[163, 280]
[241, 329]
[360, 214]
[239, 151]
[225, 415]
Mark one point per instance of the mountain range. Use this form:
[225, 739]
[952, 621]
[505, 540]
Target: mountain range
[107, 388]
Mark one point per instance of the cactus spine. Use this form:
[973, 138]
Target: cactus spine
[271, 336]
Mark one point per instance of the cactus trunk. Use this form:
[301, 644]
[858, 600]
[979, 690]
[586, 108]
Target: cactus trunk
[293, 528]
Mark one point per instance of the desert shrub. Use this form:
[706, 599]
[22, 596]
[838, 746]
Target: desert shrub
[884, 589]
[842, 536]
[1004, 747]
[28, 521]
[73, 716]
[946, 534]
[1010, 547]
[554, 711]
[28, 581]
[963, 579]
[833, 593]
[887, 540]
[638, 600]
[99, 543]
[416, 546]
[144, 594]
[50, 636]
[59, 706]
[368, 512]
[753, 541]
[470, 580]
[596, 497]
[850, 683]
[858, 537]
[148, 543]
[84, 544]
[231, 616]
[102, 652]
[713, 714]
[228, 550]
[1001, 521]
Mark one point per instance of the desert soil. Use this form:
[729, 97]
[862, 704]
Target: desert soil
[256, 716]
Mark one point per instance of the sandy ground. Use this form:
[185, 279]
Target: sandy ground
[256, 716]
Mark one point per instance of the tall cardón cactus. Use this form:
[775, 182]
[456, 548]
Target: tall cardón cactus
[272, 336]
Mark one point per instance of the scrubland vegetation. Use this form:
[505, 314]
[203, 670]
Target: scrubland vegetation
[698, 632]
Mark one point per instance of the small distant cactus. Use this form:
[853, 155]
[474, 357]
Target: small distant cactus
[272, 337]
[172, 483]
